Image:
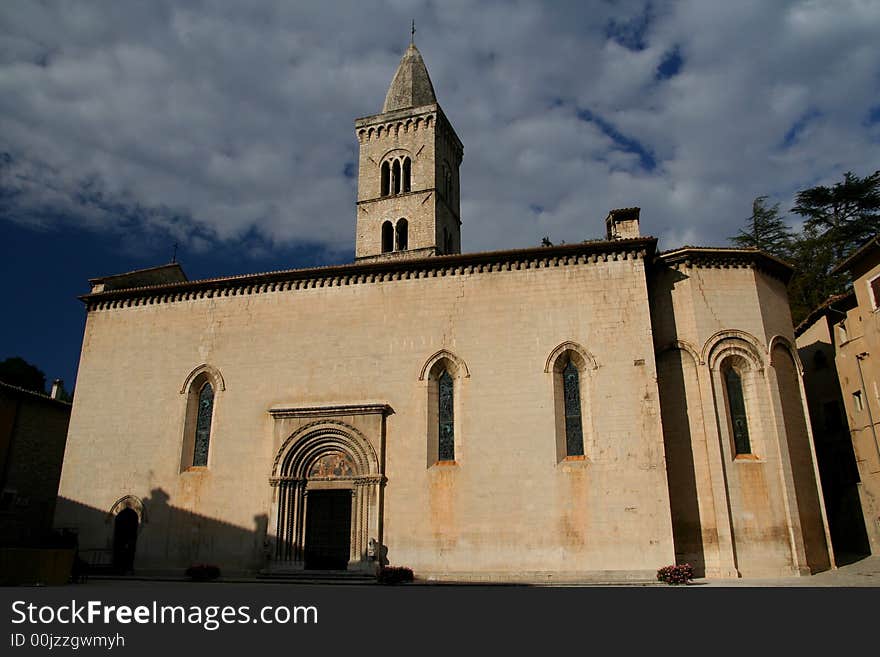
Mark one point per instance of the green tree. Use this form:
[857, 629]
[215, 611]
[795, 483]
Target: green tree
[18, 372]
[845, 215]
[837, 221]
[812, 282]
[765, 230]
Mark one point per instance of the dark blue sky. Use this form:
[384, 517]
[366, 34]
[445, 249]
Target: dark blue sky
[44, 271]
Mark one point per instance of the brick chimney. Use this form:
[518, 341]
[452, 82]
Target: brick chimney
[57, 387]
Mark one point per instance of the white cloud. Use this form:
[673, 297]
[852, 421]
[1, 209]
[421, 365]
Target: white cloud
[211, 120]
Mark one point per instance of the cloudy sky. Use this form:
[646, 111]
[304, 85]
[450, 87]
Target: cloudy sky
[126, 127]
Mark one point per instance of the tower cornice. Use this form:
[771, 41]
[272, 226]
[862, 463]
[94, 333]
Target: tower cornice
[388, 117]
[398, 120]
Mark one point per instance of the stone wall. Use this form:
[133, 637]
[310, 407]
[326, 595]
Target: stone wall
[507, 505]
[33, 430]
[857, 342]
[745, 515]
[412, 134]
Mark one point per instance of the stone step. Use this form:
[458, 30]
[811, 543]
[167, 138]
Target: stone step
[318, 576]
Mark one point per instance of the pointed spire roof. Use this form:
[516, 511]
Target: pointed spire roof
[411, 86]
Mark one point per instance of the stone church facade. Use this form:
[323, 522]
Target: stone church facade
[585, 410]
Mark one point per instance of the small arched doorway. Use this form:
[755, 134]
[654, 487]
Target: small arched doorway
[125, 530]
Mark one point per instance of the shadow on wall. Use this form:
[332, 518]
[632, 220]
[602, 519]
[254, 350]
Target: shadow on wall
[151, 534]
[675, 368]
[838, 470]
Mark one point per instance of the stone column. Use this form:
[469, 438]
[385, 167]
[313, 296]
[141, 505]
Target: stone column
[360, 522]
[364, 529]
[285, 523]
[354, 556]
[275, 531]
[296, 525]
[300, 529]
[281, 545]
[374, 511]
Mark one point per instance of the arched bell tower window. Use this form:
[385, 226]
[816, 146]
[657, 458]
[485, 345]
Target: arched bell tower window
[387, 237]
[407, 172]
[386, 179]
[402, 229]
[446, 183]
[395, 176]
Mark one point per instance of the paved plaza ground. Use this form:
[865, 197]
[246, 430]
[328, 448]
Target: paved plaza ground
[865, 572]
[862, 573]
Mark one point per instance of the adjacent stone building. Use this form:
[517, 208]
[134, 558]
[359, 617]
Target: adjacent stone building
[586, 410]
[841, 483]
[33, 431]
[845, 333]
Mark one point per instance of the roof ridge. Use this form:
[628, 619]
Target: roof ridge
[819, 310]
[35, 393]
[386, 265]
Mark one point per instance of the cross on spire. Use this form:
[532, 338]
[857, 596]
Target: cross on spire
[412, 36]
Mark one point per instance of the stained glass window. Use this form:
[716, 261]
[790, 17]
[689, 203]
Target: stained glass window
[203, 425]
[737, 408]
[446, 433]
[574, 436]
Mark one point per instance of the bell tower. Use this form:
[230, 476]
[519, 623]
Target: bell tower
[408, 186]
